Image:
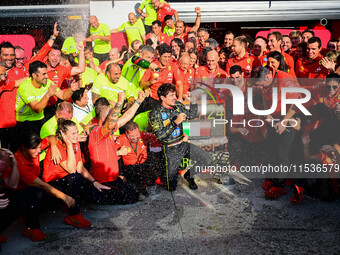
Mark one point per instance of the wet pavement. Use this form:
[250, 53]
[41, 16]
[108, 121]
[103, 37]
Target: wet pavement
[215, 219]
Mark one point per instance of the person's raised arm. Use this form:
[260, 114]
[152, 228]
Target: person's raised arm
[42, 53]
[54, 36]
[176, 15]
[92, 64]
[128, 115]
[114, 61]
[70, 164]
[80, 68]
[112, 118]
[198, 20]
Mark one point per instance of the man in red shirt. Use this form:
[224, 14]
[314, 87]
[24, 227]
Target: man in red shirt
[202, 35]
[8, 90]
[211, 70]
[20, 57]
[244, 139]
[104, 154]
[286, 44]
[311, 66]
[153, 79]
[58, 73]
[163, 9]
[306, 35]
[113, 58]
[138, 170]
[260, 49]
[182, 30]
[241, 57]
[157, 32]
[228, 42]
[10, 79]
[274, 44]
[183, 76]
[327, 94]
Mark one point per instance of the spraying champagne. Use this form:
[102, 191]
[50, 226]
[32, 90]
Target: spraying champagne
[141, 62]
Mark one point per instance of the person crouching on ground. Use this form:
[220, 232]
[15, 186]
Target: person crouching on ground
[67, 175]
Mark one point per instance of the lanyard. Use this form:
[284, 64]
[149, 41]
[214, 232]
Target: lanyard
[135, 150]
[328, 103]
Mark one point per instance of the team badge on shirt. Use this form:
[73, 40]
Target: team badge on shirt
[164, 116]
[248, 60]
[166, 123]
[176, 132]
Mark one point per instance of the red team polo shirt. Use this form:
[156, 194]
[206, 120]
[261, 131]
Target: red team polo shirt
[29, 171]
[165, 76]
[139, 155]
[161, 38]
[8, 97]
[306, 68]
[103, 154]
[58, 75]
[288, 59]
[203, 72]
[246, 63]
[281, 80]
[183, 36]
[54, 172]
[185, 78]
[162, 12]
[41, 55]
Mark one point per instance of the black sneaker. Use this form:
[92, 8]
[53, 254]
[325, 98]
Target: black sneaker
[191, 181]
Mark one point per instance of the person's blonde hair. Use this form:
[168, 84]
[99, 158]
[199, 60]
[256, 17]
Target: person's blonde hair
[332, 55]
[295, 33]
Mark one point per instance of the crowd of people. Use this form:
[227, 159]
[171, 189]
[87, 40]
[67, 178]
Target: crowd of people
[88, 123]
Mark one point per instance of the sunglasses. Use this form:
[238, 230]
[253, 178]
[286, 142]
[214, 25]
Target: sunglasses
[332, 87]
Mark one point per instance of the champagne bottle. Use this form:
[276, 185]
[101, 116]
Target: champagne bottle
[141, 62]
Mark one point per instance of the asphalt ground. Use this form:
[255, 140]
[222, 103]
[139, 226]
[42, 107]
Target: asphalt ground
[215, 219]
